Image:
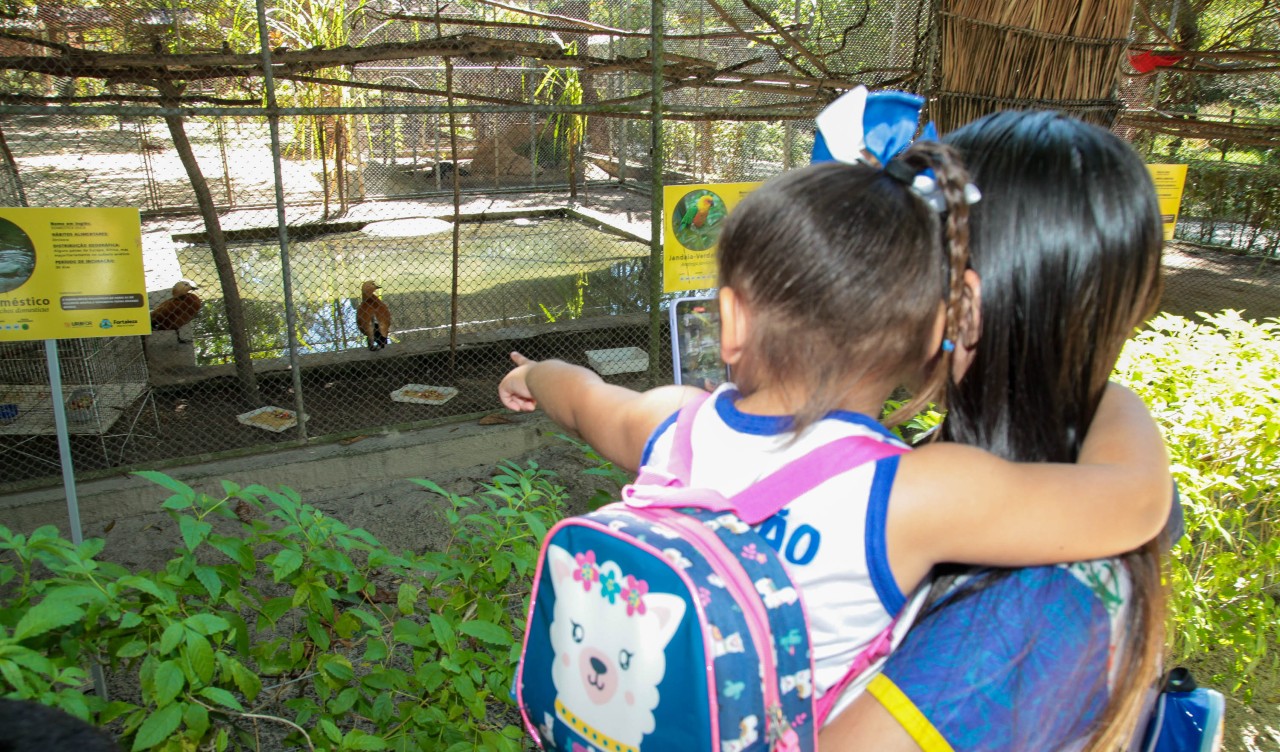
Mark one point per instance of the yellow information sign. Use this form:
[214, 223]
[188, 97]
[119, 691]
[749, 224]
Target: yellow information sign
[694, 215]
[1169, 180]
[68, 273]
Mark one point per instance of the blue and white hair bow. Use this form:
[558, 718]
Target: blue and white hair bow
[873, 128]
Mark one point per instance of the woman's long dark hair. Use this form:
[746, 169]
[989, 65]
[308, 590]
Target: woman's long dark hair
[1066, 241]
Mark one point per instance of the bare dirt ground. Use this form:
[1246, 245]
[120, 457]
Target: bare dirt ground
[1203, 279]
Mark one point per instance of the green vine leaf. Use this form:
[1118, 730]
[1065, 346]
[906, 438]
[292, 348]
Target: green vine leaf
[46, 616]
[168, 682]
[487, 631]
[158, 727]
[172, 484]
[193, 531]
[200, 657]
[221, 697]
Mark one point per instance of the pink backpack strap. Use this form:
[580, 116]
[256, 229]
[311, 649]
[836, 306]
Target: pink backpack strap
[766, 497]
[680, 462]
[762, 499]
[880, 646]
[675, 477]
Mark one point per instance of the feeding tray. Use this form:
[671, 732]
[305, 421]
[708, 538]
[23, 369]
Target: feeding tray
[270, 418]
[618, 360]
[424, 394]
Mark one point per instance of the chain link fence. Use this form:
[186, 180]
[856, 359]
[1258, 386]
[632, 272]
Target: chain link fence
[496, 202]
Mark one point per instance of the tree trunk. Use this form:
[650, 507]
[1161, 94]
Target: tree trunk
[19, 194]
[221, 259]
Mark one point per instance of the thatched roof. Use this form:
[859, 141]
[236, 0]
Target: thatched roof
[1054, 54]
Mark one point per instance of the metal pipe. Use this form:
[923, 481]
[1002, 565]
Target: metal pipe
[69, 477]
[282, 228]
[657, 10]
[804, 110]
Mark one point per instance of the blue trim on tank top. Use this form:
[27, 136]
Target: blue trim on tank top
[653, 437]
[877, 551]
[772, 425]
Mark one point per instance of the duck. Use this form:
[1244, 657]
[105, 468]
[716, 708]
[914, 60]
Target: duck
[179, 310]
[373, 316]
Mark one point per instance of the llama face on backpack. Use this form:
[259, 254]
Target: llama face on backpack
[609, 637]
[631, 645]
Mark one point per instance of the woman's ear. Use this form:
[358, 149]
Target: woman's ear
[970, 325]
[734, 326]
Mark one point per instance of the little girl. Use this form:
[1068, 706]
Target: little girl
[837, 286]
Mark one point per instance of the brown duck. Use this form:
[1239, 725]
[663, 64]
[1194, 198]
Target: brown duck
[373, 316]
[177, 311]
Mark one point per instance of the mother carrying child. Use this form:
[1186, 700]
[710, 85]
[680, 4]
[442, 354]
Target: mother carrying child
[1067, 243]
[840, 283]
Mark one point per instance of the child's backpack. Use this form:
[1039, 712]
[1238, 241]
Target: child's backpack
[666, 622]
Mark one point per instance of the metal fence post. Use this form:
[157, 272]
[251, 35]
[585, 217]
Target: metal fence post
[286, 275]
[656, 348]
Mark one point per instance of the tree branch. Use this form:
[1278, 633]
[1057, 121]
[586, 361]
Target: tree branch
[399, 88]
[781, 49]
[767, 17]
[549, 28]
[179, 101]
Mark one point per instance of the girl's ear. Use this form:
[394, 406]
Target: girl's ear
[970, 325]
[734, 326]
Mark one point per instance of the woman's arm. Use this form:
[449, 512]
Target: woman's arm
[865, 725]
[614, 420]
[954, 503]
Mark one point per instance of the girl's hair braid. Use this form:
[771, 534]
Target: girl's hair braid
[951, 178]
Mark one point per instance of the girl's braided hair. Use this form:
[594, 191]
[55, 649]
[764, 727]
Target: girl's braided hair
[951, 179]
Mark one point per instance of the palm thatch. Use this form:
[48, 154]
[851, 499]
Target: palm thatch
[1054, 54]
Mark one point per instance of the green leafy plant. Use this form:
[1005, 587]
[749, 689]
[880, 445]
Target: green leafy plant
[917, 426]
[613, 477]
[562, 86]
[274, 616]
[1214, 387]
[573, 306]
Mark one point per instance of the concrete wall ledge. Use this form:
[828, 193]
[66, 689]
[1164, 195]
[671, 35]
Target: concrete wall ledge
[313, 471]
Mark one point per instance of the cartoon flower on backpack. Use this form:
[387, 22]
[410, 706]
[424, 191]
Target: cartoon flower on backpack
[633, 595]
[587, 571]
[609, 586]
[751, 553]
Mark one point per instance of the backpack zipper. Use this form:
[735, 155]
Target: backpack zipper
[779, 735]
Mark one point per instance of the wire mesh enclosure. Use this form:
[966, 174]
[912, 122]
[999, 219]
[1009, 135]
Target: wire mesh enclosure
[491, 168]
[106, 398]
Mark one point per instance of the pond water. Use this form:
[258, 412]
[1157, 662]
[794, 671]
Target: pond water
[511, 272]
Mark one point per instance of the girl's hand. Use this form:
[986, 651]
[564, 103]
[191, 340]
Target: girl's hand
[514, 389]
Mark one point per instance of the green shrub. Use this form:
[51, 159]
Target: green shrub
[272, 614]
[1215, 389]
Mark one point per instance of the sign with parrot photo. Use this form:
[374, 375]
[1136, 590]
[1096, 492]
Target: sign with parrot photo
[695, 215]
[70, 273]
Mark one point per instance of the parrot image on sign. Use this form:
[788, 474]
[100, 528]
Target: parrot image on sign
[697, 219]
[696, 215]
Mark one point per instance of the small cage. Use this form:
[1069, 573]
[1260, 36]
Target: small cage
[104, 380]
